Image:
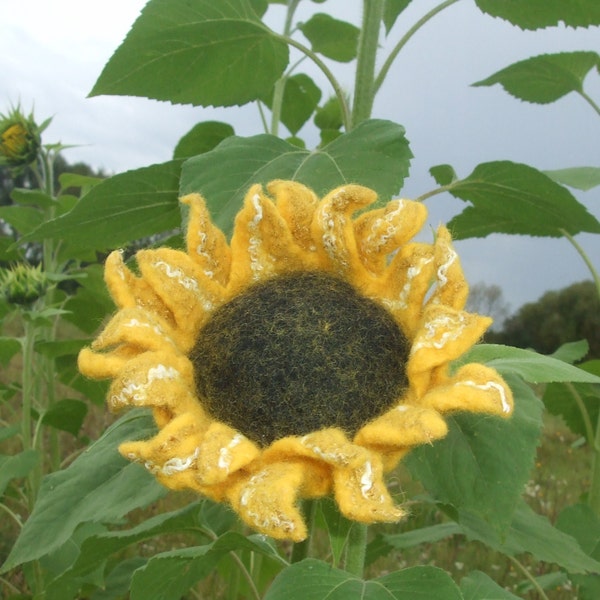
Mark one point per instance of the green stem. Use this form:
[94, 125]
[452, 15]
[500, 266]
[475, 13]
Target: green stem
[335, 84]
[440, 190]
[301, 550]
[277, 101]
[356, 549]
[585, 415]
[368, 43]
[422, 21]
[534, 582]
[594, 495]
[589, 101]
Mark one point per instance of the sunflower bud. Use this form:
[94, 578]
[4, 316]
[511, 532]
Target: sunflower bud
[23, 284]
[20, 139]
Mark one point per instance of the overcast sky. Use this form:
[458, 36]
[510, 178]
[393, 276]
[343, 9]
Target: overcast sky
[52, 51]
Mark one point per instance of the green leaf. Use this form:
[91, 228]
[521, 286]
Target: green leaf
[536, 14]
[7, 432]
[34, 198]
[330, 37]
[479, 586]
[443, 174]
[533, 533]
[329, 116]
[74, 180]
[313, 579]
[572, 352]
[581, 178]
[16, 467]
[531, 366]
[509, 197]
[8, 348]
[99, 486]
[375, 154]
[170, 574]
[474, 468]
[391, 12]
[125, 207]
[202, 138]
[300, 99]
[201, 53]
[23, 219]
[545, 78]
[383, 544]
[118, 581]
[580, 522]
[66, 415]
[569, 400]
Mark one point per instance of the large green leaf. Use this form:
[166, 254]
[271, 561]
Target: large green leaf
[509, 197]
[313, 579]
[123, 208]
[8, 348]
[22, 218]
[201, 53]
[170, 574]
[375, 154]
[581, 178]
[536, 14]
[545, 78]
[99, 486]
[479, 586]
[533, 533]
[531, 366]
[331, 37]
[474, 468]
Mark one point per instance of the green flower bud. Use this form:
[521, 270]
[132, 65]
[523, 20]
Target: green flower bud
[23, 284]
[20, 139]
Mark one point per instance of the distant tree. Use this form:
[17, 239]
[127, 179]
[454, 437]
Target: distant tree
[488, 300]
[566, 315]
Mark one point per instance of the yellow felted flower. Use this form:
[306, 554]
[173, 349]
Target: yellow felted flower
[303, 358]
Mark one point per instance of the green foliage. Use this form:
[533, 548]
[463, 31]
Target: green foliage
[546, 78]
[330, 37]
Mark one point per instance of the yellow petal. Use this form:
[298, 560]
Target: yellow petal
[267, 501]
[183, 288]
[297, 205]
[333, 229]
[223, 451]
[382, 231]
[98, 365]
[445, 334]
[262, 243]
[451, 289]
[474, 388]
[206, 243]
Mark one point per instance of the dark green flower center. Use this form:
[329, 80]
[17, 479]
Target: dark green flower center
[298, 353]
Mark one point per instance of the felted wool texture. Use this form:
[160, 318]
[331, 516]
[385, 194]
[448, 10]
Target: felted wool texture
[336, 407]
[296, 354]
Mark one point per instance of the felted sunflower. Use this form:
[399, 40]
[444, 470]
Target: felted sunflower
[303, 358]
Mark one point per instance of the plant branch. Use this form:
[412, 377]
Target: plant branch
[301, 550]
[534, 582]
[585, 257]
[335, 84]
[394, 53]
[368, 42]
[589, 101]
[440, 190]
[356, 549]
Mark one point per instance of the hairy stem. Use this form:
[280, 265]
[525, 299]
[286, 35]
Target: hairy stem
[394, 53]
[301, 550]
[368, 42]
[356, 549]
